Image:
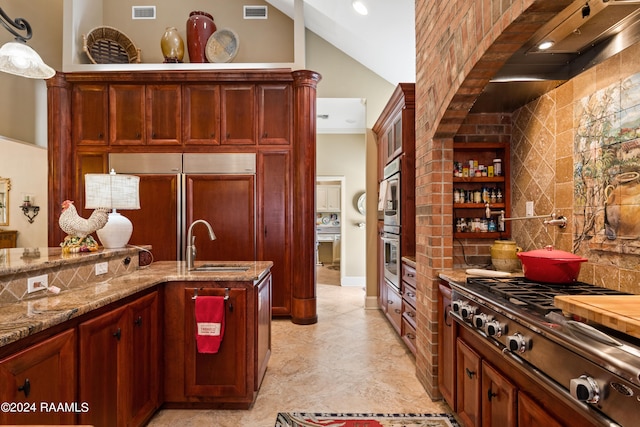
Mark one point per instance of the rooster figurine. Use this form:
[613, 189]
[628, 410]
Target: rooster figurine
[78, 229]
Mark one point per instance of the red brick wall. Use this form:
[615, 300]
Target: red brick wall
[460, 44]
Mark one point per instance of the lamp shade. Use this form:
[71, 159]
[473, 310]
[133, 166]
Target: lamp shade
[19, 59]
[111, 191]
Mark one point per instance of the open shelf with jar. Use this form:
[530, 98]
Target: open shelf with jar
[480, 176]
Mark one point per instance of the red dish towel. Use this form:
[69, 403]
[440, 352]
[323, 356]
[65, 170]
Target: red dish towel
[209, 323]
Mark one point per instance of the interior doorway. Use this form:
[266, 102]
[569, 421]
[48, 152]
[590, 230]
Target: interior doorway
[330, 236]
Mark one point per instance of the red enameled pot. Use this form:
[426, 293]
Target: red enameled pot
[549, 265]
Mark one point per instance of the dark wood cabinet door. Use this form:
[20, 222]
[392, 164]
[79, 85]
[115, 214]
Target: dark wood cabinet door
[144, 359]
[498, 397]
[44, 372]
[164, 114]
[101, 367]
[127, 114]
[90, 110]
[227, 202]
[223, 374]
[447, 334]
[155, 223]
[201, 117]
[530, 414]
[274, 114]
[238, 111]
[394, 308]
[468, 387]
[274, 216]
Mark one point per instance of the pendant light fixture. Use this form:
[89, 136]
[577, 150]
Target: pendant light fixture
[18, 58]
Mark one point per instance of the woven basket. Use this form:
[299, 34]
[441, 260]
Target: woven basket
[107, 45]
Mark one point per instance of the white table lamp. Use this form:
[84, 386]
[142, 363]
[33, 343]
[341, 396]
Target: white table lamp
[113, 191]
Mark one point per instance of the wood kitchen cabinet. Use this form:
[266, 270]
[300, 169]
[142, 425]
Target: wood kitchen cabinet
[8, 238]
[408, 330]
[275, 225]
[90, 106]
[469, 385]
[231, 377]
[274, 114]
[267, 112]
[447, 334]
[239, 121]
[394, 308]
[164, 114]
[530, 414]
[328, 198]
[119, 364]
[201, 114]
[395, 133]
[127, 114]
[145, 114]
[499, 399]
[44, 372]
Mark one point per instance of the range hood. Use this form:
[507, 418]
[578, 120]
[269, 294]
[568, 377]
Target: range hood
[584, 24]
[581, 39]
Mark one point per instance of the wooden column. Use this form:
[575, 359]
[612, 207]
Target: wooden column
[303, 301]
[60, 153]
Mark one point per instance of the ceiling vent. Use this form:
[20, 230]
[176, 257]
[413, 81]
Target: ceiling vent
[143, 12]
[255, 12]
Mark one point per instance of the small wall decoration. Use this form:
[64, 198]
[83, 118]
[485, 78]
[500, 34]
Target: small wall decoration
[607, 169]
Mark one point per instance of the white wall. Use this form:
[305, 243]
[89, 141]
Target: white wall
[26, 166]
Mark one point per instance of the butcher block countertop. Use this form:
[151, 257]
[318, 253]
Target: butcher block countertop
[618, 312]
[21, 319]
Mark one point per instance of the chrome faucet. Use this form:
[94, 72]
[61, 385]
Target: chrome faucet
[191, 242]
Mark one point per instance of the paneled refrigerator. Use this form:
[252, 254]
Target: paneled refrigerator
[179, 188]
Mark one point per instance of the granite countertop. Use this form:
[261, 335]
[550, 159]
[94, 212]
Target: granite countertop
[19, 320]
[409, 260]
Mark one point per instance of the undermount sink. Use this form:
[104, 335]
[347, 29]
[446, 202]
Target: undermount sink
[221, 267]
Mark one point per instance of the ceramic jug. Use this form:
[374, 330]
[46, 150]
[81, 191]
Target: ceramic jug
[172, 45]
[503, 255]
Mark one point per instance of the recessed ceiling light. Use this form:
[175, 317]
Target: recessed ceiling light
[545, 45]
[360, 7]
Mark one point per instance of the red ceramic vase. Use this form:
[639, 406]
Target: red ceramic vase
[200, 26]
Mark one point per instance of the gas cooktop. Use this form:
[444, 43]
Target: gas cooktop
[535, 296]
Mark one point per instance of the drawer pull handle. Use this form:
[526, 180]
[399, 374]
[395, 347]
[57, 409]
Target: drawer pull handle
[390, 302]
[397, 311]
[411, 314]
[410, 336]
[118, 334]
[26, 387]
[410, 275]
[411, 294]
[470, 373]
[138, 321]
[491, 395]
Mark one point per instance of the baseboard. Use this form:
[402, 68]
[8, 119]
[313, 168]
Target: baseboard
[371, 302]
[353, 281]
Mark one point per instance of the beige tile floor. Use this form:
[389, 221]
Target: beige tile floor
[350, 361]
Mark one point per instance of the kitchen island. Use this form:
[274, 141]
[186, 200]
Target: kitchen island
[115, 347]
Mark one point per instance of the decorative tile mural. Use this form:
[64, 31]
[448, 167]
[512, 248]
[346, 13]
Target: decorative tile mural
[607, 169]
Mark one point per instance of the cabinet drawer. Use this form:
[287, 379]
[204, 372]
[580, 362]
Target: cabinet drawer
[394, 308]
[409, 312]
[409, 294]
[409, 334]
[409, 274]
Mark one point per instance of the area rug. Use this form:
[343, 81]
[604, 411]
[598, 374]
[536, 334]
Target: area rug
[300, 419]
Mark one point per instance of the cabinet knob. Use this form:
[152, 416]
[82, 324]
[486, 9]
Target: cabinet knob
[491, 395]
[138, 321]
[118, 334]
[469, 373]
[26, 387]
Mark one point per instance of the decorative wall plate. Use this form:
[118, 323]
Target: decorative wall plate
[222, 46]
